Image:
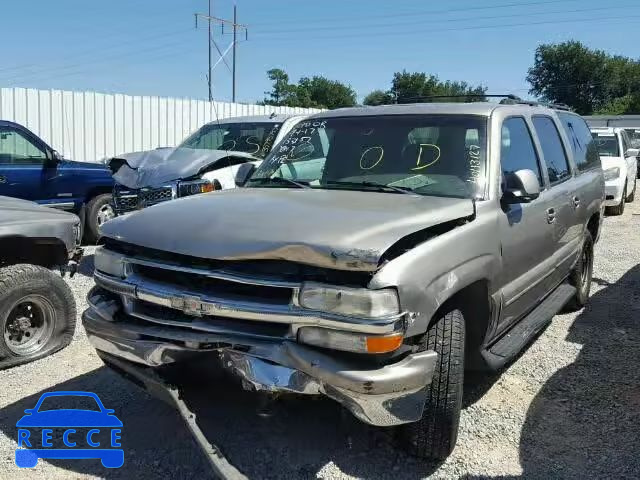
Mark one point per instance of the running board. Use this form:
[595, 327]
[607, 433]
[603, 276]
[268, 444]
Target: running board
[512, 343]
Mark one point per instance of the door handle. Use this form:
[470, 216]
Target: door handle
[551, 215]
[3, 179]
[576, 202]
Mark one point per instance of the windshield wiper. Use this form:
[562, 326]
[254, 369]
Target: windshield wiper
[279, 180]
[378, 186]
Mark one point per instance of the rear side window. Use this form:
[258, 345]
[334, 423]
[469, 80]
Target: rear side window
[583, 146]
[552, 149]
[517, 151]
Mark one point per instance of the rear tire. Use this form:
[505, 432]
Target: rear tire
[618, 209]
[37, 313]
[99, 210]
[434, 436]
[580, 276]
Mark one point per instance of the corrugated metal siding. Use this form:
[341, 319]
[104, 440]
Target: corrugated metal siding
[89, 125]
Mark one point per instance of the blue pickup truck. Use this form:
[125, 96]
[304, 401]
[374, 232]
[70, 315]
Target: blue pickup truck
[30, 169]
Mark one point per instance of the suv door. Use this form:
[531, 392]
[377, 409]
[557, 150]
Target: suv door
[23, 162]
[565, 200]
[526, 232]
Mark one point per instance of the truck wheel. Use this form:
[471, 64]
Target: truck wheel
[618, 209]
[434, 436]
[632, 197]
[580, 276]
[99, 211]
[37, 312]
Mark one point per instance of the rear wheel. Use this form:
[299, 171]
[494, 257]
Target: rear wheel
[37, 312]
[99, 210]
[580, 276]
[434, 436]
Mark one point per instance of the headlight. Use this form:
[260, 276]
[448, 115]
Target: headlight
[108, 262]
[612, 173]
[194, 187]
[348, 341]
[353, 302]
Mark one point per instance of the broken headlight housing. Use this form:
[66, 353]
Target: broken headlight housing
[611, 173]
[352, 302]
[194, 187]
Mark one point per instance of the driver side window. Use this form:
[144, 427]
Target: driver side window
[17, 149]
[517, 151]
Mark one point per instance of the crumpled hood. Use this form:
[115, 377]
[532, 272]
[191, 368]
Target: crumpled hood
[344, 230]
[155, 167]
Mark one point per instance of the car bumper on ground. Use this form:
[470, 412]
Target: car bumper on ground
[386, 395]
[613, 192]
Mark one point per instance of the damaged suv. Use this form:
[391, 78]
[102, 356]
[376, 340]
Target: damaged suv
[373, 256]
[205, 161]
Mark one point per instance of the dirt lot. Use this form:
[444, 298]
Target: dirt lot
[569, 407]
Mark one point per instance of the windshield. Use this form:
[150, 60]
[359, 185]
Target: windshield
[634, 137]
[607, 144]
[440, 155]
[255, 138]
[66, 402]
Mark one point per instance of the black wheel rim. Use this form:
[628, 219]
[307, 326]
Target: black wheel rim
[29, 325]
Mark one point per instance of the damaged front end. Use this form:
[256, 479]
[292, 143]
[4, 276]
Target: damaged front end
[147, 313]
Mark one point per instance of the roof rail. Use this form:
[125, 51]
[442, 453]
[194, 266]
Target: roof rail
[514, 100]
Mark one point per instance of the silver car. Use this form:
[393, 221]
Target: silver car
[372, 257]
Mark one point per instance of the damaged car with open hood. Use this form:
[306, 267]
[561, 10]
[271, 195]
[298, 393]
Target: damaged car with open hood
[374, 256]
[205, 161]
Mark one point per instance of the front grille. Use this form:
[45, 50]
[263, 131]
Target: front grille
[129, 200]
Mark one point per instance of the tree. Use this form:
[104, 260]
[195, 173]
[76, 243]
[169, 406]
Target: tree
[417, 86]
[378, 97]
[587, 80]
[316, 92]
[282, 93]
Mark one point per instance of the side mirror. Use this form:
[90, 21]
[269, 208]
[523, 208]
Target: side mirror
[521, 187]
[244, 173]
[632, 152]
[53, 158]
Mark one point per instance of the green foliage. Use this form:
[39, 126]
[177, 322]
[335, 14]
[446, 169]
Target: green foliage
[314, 92]
[587, 80]
[415, 87]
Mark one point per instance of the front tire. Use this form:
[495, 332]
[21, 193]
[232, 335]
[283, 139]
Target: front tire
[99, 211]
[580, 276]
[632, 197]
[434, 436]
[37, 313]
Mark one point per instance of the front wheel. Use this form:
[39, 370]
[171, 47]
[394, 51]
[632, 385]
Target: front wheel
[434, 436]
[99, 211]
[37, 313]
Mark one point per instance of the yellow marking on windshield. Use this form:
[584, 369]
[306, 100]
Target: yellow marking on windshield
[376, 163]
[422, 167]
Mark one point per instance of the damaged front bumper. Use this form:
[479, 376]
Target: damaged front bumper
[387, 395]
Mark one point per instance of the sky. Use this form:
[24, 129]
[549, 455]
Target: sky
[151, 47]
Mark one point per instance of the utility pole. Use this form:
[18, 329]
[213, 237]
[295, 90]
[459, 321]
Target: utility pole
[236, 26]
[235, 30]
[209, 42]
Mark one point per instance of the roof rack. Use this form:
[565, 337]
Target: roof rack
[507, 99]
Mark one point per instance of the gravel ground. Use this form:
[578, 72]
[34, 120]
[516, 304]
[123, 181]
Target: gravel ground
[569, 407]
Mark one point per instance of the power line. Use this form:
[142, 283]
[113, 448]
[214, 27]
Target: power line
[449, 20]
[424, 12]
[454, 29]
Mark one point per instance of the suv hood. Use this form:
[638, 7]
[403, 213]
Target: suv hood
[14, 208]
[345, 230]
[155, 167]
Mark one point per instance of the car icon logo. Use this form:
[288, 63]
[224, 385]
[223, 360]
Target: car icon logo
[89, 432]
